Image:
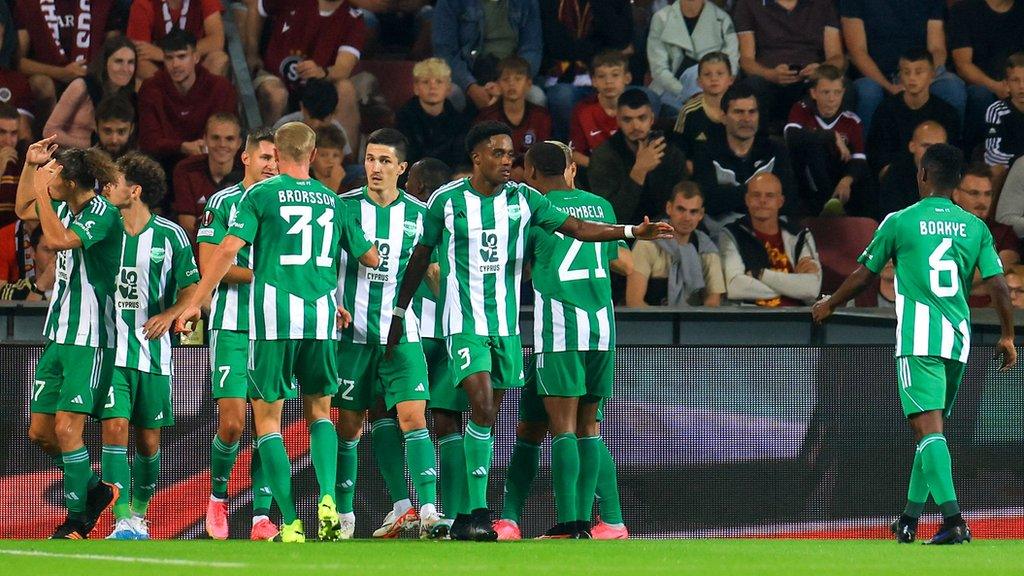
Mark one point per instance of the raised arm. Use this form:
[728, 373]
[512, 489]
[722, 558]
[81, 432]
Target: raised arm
[37, 154]
[596, 232]
[58, 236]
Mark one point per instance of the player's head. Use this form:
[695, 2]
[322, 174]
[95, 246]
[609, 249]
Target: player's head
[330, 152]
[917, 70]
[258, 156]
[115, 124]
[570, 164]
[974, 193]
[426, 176]
[634, 115]
[927, 134]
[942, 167]
[180, 57]
[141, 180]
[764, 197]
[609, 72]
[83, 171]
[1015, 79]
[223, 137]
[685, 208]
[828, 85]
[384, 160]
[319, 99]
[741, 116]
[714, 73]
[295, 143]
[431, 81]
[489, 145]
[10, 119]
[545, 166]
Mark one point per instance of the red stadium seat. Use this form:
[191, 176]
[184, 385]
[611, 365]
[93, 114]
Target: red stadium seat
[840, 241]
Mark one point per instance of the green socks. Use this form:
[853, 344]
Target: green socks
[323, 450]
[938, 472]
[419, 451]
[222, 460]
[917, 491]
[116, 470]
[453, 475]
[278, 470]
[387, 448]
[479, 447]
[565, 475]
[608, 486]
[261, 496]
[522, 469]
[77, 473]
[348, 466]
[590, 454]
[144, 476]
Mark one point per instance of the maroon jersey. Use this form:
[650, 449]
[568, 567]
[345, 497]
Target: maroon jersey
[301, 32]
[14, 90]
[150, 20]
[63, 31]
[590, 126]
[847, 124]
[534, 127]
[9, 190]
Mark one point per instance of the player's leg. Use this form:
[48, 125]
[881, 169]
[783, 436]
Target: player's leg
[525, 460]
[42, 433]
[590, 464]
[114, 462]
[316, 369]
[447, 403]
[228, 354]
[263, 528]
[386, 441]
[151, 411]
[355, 394]
[600, 379]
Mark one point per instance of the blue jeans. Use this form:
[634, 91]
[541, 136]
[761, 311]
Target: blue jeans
[946, 85]
[562, 98]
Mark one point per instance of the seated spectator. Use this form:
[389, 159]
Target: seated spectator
[683, 271]
[701, 117]
[19, 246]
[150, 20]
[827, 147]
[317, 105]
[1010, 209]
[115, 126]
[982, 34]
[429, 119]
[682, 34]
[725, 165]
[198, 177]
[878, 32]
[309, 39]
[974, 194]
[11, 162]
[1015, 282]
[574, 31]
[14, 88]
[176, 102]
[530, 123]
[329, 166]
[473, 35]
[887, 286]
[767, 260]
[636, 169]
[782, 43]
[111, 72]
[898, 115]
[593, 119]
[1004, 137]
[898, 184]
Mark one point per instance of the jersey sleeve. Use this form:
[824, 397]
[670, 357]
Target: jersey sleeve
[880, 250]
[184, 266]
[543, 213]
[433, 222]
[352, 238]
[989, 264]
[96, 224]
[213, 225]
[246, 219]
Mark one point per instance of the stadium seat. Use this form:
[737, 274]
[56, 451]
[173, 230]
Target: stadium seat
[840, 241]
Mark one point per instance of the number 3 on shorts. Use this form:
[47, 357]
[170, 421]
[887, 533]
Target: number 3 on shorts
[110, 398]
[464, 353]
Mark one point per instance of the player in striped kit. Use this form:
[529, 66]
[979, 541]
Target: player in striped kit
[157, 269]
[935, 246]
[73, 373]
[297, 228]
[229, 345]
[481, 224]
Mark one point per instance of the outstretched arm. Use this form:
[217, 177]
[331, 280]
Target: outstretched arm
[595, 232]
[1000, 295]
[860, 279]
[415, 270]
[217, 267]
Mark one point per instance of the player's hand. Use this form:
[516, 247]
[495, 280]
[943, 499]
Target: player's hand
[157, 326]
[186, 319]
[821, 310]
[45, 175]
[1008, 351]
[343, 318]
[40, 152]
[652, 230]
[394, 336]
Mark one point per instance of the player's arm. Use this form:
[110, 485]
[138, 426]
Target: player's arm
[159, 324]
[37, 154]
[415, 270]
[854, 284]
[433, 278]
[218, 266]
[235, 275]
[370, 258]
[596, 232]
[1000, 294]
[57, 235]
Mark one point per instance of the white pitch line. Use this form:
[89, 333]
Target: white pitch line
[129, 559]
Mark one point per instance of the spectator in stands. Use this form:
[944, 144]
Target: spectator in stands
[701, 116]
[898, 184]
[11, 162]
[683, 271]
[974, 194]
[1004, 138]
[878, 32]
[725, 165]
[899, 114]
[310, 39]
[767, 260]
[176, 102]
[574, 31]
[827, 147]
[1015, 282]
[530, 123]
[198, 177]
[593, 119]
[473, 35]
[982, 34]
[329, 167]
[680, 35]
[20, 255]
[150, 20]
[887, 286]
[1010, 209]
[782, 43]
[429, 120]
[14, 88]
[111, 72]
[637, 168]
[317, 106]
[115, 126]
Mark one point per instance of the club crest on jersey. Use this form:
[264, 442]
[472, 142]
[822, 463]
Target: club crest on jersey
[514, 212]
[157, 255]
[410, 229]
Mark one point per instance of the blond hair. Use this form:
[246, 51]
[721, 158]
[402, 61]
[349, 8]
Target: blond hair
[295, 141]
[431, 68]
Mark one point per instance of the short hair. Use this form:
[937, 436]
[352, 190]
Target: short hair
[566, 149]
[687, 189]
[917, 55]
[144, 171]
[513, 64]
[393, 138]
[319, 98]
[633, 98]
[979, 170]
[431, 68]
[330, 136]
[827, 72]
[1015, 60]
[432, 173]
[8, 112]
[177, 39]
[713, 58]
[548, 158]
[115, 107]
[609, 58]
[295, 141]
[257, 135]
[88, 168]
[943, 166]
[484, 131]
[223, 118]
[738, 91]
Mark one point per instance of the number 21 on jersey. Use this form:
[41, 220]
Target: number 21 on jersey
[566, 271]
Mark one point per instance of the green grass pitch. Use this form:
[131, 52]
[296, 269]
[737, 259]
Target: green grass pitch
[705, 557]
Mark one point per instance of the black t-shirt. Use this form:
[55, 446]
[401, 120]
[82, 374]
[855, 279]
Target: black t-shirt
[693, 128]
[440, 136]
[893, 26]
[691, 23]
[993, 36]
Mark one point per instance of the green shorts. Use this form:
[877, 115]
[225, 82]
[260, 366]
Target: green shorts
[276, 365]
[444, 395]
[72, 378]
[531, 402]
[143, 398]
[928, 383]
[229, 355]
[500, 356]
[365, 375]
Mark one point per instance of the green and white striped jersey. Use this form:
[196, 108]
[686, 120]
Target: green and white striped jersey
[229, 309]
[483, 243]
[81, 309]
[154, 266]
[935, 246]
[297, 229]
[427, 309]
[370, 294]
[573, 307]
